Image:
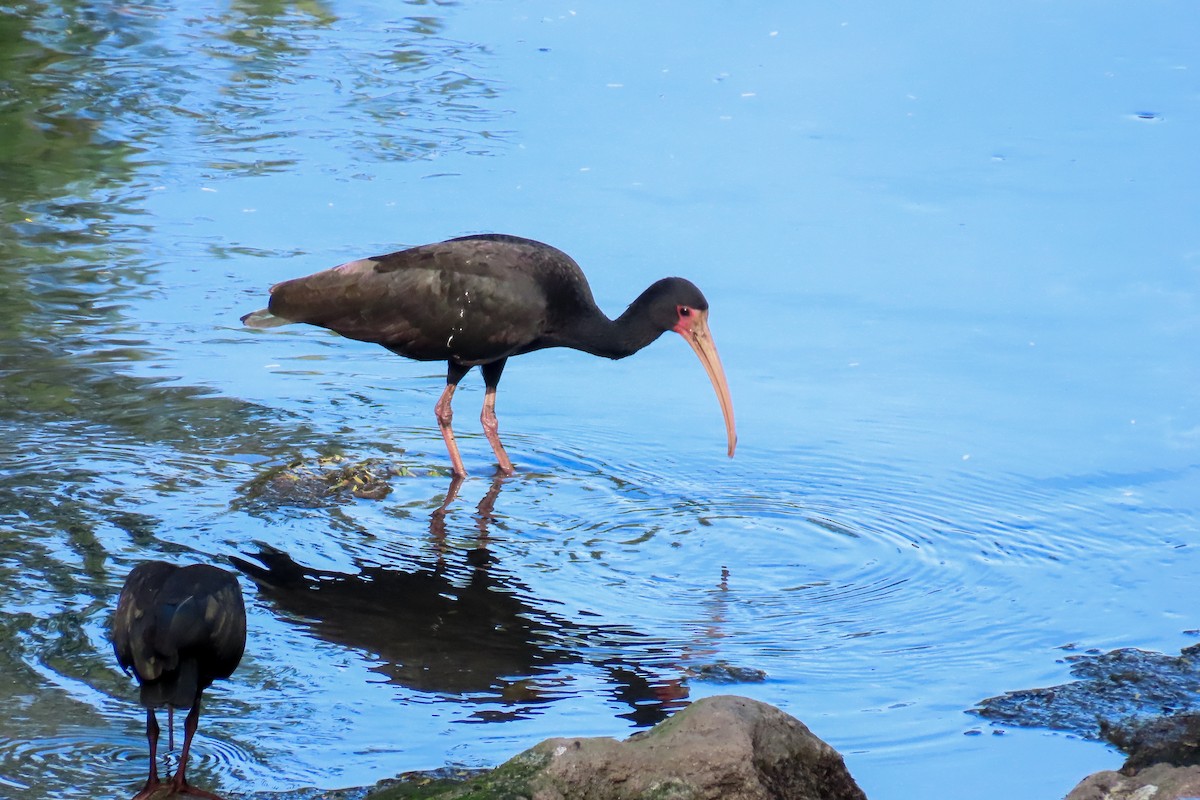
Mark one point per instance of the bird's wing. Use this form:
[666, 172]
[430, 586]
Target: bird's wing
[432, 302]
[228, 635]
[201, 611]
[122, 630]
[134, 620]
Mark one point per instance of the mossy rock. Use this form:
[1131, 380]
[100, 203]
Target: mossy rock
[509, 781]
[324, 481]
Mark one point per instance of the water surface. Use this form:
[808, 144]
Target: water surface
[952, 262]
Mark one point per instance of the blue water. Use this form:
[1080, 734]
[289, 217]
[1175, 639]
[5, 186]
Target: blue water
[952, 259]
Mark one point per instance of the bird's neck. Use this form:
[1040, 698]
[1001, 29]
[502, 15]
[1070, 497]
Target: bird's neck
[620, 337]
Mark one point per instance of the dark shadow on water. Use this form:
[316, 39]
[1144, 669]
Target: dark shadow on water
[456, 623]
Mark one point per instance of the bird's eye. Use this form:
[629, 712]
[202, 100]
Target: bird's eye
[684, 311]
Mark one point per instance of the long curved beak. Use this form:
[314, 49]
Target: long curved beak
[697, 335]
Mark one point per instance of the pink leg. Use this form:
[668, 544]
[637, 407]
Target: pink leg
[444, 414]
[179, 783]
[152, 782]
[491, 428]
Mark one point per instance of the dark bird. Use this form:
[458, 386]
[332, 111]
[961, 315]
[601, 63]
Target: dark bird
[475, 301]
[177, 629]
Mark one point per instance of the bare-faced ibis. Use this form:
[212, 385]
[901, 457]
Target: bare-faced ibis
[475, 301]
[177, 629]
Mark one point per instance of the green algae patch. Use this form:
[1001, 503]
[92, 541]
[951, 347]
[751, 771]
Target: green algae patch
[509, 781]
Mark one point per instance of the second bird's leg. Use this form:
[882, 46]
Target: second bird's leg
[445, 414]
[152, 782]
[491, 427]
[179, 783]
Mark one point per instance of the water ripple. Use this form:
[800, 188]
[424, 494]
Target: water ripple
[81, 751]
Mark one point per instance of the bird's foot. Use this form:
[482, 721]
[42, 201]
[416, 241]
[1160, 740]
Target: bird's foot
[183, 787]
[148, 790]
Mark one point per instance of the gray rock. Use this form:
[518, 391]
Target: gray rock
[1171, 740]
[1157, 782]
[723, 748]
[718, 748]
[1163, 763]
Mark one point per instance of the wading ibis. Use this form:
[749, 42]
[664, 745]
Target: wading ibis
[177, 629]
[475, 301]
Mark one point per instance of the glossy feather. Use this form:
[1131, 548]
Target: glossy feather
[177, 629]
[471, 300]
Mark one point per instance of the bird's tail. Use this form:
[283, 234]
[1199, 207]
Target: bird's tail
[263, 318]
[177, 689]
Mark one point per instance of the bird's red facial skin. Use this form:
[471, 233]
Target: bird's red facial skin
[687, 319]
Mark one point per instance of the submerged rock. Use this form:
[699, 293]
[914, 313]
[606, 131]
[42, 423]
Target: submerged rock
[1132, 699]
[719, 748]
[1115, 689]
[326, 481]
[724, 672]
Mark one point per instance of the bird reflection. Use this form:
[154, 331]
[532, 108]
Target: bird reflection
[483, 511]
[458, 624]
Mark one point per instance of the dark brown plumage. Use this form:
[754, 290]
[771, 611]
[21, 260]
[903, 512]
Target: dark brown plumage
[476, 301]
[177, 629]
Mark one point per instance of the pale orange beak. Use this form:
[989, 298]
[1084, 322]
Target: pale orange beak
[695, 332]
